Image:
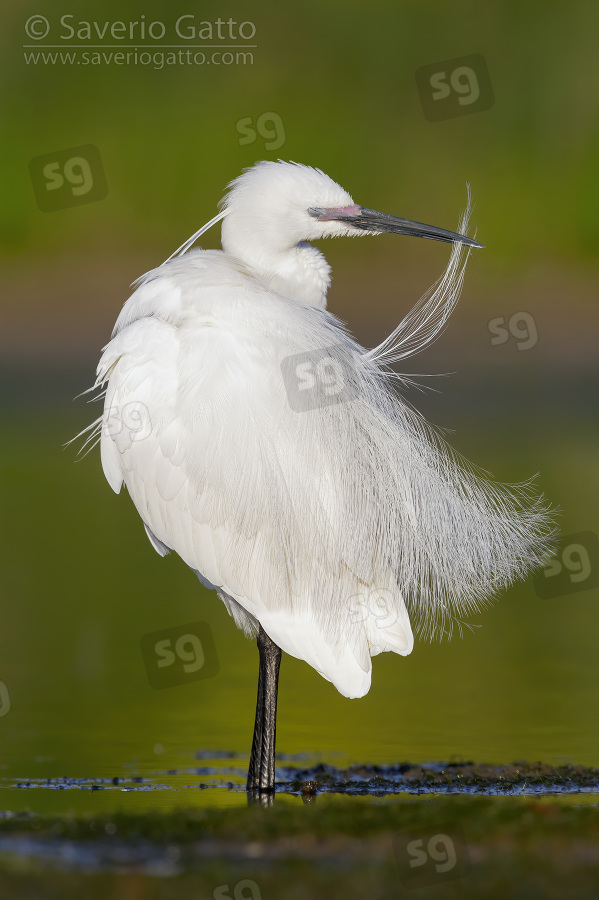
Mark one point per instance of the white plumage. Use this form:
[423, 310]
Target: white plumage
[336, 524]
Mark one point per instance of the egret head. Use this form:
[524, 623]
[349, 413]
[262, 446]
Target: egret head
[272, 200]
[285, 203]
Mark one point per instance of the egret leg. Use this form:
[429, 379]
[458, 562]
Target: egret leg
[261, 775]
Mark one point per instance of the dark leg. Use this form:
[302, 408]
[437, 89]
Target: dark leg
[261, 775]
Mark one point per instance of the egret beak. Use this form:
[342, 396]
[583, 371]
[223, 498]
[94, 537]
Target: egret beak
[377, 223]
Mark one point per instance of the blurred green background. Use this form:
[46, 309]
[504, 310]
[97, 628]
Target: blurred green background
[79, 583]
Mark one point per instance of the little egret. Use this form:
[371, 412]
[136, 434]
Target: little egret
[277, 458]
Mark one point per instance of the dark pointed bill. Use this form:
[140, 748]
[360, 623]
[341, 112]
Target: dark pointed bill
[379, 223]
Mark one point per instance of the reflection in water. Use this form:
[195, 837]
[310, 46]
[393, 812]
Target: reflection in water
[265, 799]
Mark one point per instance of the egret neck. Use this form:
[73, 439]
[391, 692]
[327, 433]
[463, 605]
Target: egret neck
[296, 270]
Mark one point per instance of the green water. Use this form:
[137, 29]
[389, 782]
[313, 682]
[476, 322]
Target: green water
[81, 585]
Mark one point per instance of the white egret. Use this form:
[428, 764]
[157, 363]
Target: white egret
[278, 460]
